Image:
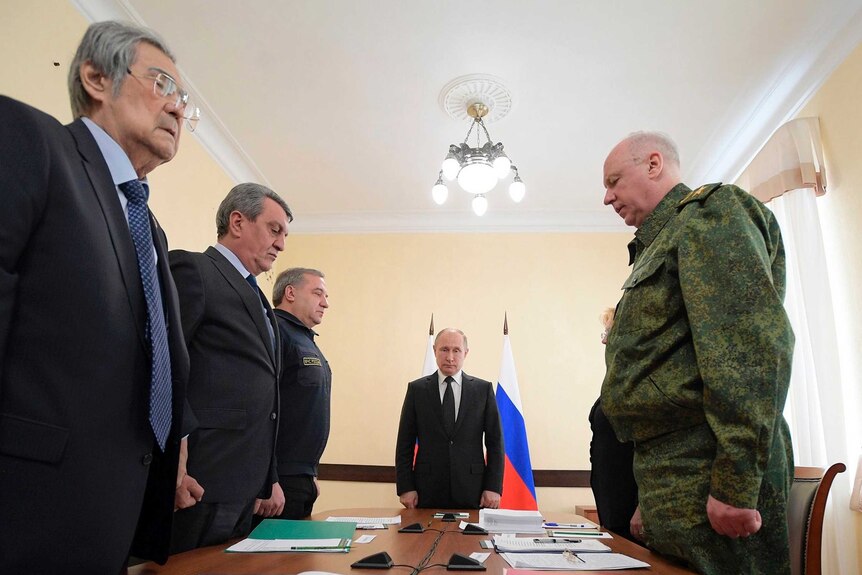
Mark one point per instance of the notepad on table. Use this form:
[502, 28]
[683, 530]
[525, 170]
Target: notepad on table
[278, 535]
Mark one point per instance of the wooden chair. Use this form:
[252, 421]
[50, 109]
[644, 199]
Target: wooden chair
[805, 511]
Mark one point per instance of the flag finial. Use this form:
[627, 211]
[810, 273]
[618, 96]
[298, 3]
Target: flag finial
[505, 324]
[431, 329]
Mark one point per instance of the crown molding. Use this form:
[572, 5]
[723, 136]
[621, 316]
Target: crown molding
[817, 55]
[212, 134]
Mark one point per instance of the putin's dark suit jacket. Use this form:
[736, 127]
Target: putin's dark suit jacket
[78, 461]
[450, 472]
[233, 383]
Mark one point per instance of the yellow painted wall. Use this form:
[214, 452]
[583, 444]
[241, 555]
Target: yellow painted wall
[383, 290]
[35, 35]
[837, 106]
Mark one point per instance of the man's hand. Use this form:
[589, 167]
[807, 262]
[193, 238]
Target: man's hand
[409, 499]
[636, 525]
[188, 491]
[273, 506]
[732, 521]
[490, 500]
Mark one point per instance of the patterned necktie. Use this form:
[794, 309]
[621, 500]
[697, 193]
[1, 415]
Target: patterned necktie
[252, 281]
[449, 407]
[157, 333]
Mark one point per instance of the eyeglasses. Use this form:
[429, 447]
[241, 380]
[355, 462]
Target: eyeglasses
[166, 87]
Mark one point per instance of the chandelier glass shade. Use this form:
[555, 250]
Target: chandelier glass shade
[477, 169]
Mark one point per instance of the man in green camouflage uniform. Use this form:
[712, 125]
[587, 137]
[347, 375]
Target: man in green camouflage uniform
[698, 364]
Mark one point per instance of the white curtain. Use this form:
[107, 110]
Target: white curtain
[819, 402]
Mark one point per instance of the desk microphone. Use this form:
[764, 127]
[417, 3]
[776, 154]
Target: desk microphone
[460, 562]
[472, 529]
[380, 560]
[412, 528]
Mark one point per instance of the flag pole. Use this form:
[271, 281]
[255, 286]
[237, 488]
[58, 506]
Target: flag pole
[519, 490]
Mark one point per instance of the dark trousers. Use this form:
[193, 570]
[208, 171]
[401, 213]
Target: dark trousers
[300, 493]
[611, 475]
[207, 524]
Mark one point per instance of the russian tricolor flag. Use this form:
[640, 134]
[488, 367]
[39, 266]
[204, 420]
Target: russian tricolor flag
[519, 491]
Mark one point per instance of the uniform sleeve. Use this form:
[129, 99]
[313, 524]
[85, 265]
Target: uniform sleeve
[729, 263]
[405, 444]
[493, 480]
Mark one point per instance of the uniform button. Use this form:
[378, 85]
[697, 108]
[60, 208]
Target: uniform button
[147, 459]
[451, 442]
[273, 416]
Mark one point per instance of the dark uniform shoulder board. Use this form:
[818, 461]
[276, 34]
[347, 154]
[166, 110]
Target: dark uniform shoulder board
[311, 361]
[699, 194]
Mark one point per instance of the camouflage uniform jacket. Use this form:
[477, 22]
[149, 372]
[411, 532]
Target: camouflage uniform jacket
[701, 335]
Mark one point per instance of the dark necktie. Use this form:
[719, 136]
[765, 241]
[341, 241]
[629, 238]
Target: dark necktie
[157, 333]
[252, 281]
[449, 407]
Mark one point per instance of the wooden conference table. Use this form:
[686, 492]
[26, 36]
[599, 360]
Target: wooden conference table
[404, 548]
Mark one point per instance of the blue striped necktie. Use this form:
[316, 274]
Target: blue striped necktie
[157, 333]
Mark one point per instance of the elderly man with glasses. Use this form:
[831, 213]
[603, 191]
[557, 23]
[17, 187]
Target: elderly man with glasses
[92, 375]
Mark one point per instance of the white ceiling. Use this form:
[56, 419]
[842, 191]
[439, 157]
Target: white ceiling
[334, 103]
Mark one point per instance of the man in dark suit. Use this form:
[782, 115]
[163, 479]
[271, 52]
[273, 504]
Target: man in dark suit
[233, 344]
[92, 362]
[448, 413]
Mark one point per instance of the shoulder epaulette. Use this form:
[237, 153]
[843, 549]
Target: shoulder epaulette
[699, 194]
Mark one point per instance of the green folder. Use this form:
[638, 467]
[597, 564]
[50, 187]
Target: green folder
[291, 529]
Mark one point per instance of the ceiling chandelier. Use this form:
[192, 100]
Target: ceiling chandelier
[478, 169]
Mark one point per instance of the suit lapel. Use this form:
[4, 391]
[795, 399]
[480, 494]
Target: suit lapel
[432, 387]
[250, 300]
[118, 228]
[468, 399]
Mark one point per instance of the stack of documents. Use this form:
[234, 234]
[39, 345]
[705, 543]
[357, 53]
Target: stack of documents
[274, 535]
[510, 521]
[572, 561]
[511, 544]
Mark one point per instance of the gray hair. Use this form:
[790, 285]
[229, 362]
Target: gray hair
[454, 330]
[291, 277]
[639, 142]
[111, 48]
[246, 199]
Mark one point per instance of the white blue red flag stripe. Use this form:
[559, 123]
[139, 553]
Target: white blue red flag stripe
[519, 490]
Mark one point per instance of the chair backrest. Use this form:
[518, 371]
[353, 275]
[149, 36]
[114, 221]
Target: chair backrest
[805, 511]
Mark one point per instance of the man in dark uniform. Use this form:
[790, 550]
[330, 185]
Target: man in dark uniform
[698, 364]
[300, 300]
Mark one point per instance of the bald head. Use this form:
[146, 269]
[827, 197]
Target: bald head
[638, 173]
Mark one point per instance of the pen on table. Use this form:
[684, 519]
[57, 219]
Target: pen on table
[574, 525]
[556, 540]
